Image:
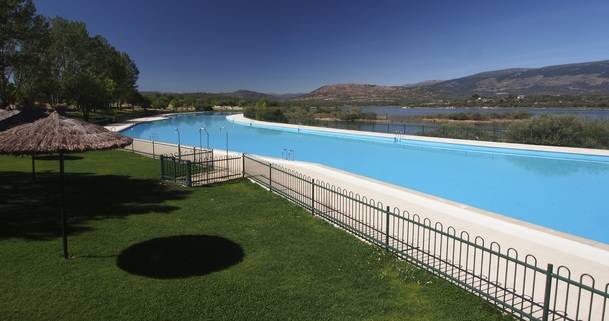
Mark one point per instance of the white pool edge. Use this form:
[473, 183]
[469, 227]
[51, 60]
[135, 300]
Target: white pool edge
[117, 127]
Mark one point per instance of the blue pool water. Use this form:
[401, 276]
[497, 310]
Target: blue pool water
[565, 192]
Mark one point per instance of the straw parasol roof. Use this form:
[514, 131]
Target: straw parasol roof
[5, 114]
[12, 118]
[59, 134]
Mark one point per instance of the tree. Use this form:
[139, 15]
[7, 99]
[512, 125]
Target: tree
[124, 72]
[87, 71]
[67, 58]
[20, 26]
[74, 63]
[56, 61]
[32, 74]
[137, 99]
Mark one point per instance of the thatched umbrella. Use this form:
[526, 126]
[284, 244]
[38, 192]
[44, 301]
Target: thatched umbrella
[12, 118]
[58, 134]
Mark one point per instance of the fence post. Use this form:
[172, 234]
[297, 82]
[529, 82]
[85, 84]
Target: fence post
[243, 165]
[387, 229]
[189, 173]
[313, 196]
[208, 167]
[548, 293]
[270, 179]
[175, 175]
[153, 156]
[162, 168]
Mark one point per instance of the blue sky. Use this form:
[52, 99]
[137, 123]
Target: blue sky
[297, 46]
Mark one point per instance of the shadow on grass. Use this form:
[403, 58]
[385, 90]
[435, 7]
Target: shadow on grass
[55, 157]
[180, 256]
[30, 210]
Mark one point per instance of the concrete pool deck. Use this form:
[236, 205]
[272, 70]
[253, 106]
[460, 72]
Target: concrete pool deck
[117, 127]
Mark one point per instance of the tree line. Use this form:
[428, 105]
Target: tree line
[198, 101]
[56, 61]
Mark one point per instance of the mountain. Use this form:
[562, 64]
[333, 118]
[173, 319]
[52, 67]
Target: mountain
[591, 78]
[424, 83]
[248, 95]
[362, 93]
[254, 95]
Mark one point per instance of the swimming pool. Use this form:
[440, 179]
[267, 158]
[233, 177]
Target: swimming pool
[561, 191]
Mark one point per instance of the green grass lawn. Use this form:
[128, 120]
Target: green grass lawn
[105, 117]
[244, 254]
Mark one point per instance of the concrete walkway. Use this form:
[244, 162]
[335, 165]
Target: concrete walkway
[117, 127]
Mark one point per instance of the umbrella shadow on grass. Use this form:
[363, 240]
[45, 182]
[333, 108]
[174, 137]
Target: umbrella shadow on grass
[30, 210]
[55, 157]
[180, 256]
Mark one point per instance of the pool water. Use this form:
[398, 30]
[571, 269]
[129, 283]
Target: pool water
[565, 192]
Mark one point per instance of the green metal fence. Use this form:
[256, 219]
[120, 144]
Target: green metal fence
[176, 170]
[201, 167]
[517, 284]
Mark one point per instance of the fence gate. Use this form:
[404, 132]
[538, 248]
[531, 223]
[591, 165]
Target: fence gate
[176, 170]
[201, 168]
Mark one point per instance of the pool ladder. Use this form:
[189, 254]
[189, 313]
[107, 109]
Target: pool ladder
[287, 154]
[398, 137]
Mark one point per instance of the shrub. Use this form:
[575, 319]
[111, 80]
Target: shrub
[353, 115]
[561, 131]
[461, 131]
[273, 114]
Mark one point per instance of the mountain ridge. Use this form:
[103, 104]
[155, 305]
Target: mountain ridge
[588, 78]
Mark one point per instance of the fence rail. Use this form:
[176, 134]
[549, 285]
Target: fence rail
[516, 284]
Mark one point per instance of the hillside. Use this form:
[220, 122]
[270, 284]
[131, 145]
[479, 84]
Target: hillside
[573, 79]
[590, 78]
[248, 95]
[364, 93]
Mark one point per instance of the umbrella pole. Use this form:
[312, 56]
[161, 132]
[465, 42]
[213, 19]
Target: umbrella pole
[33, 167]
[64, 227]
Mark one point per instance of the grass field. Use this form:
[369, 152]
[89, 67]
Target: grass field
[148, 251]
[105, 117]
